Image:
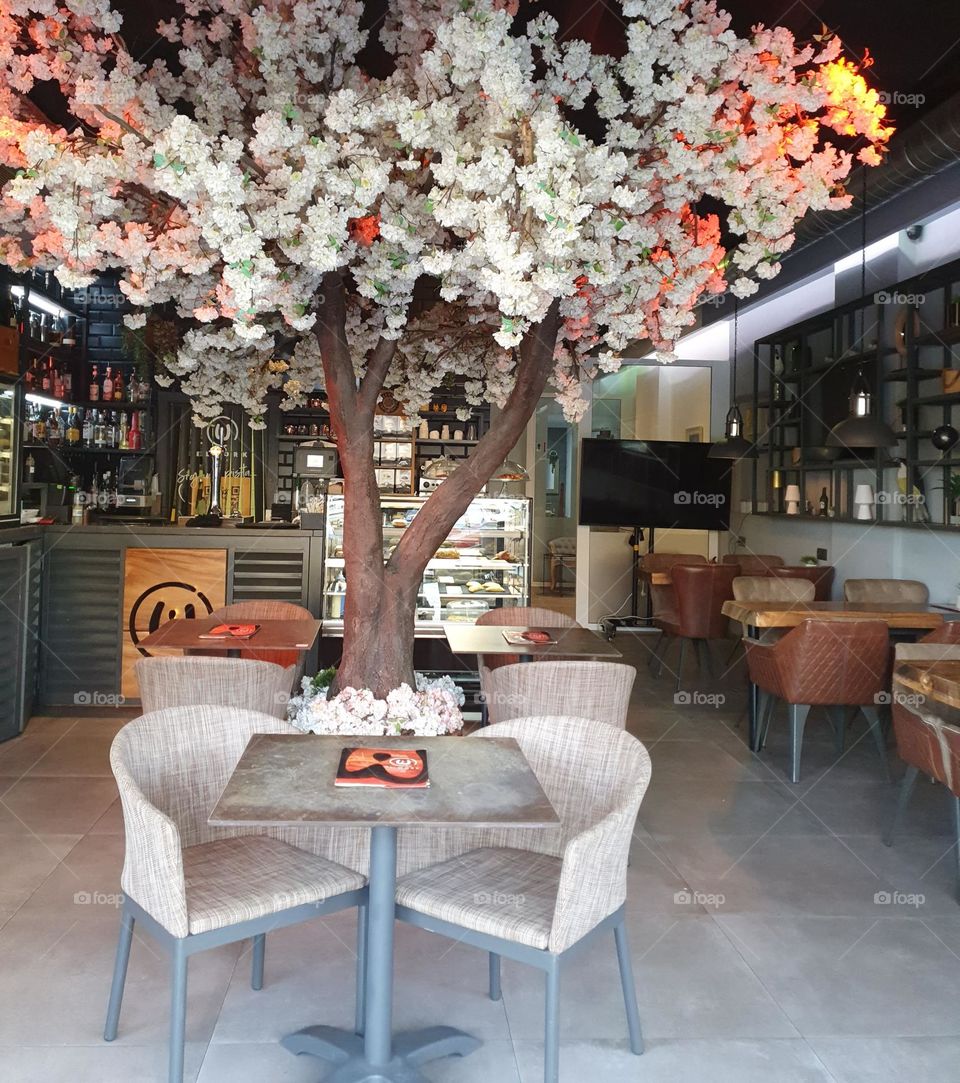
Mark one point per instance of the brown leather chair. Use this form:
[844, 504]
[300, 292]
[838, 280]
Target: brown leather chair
[754, 563]
[699, 591]
[928, 745]
[662, 603]
[823, 664]
[767, 588]
[821, 575]
[948, 632]
[886, 591]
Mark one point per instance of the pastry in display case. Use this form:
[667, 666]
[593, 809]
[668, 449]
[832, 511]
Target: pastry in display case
[483, 563]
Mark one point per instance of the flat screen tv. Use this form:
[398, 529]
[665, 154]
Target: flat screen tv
[653, 483]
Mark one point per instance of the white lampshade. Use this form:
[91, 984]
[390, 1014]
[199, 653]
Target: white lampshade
[792, 497]
[863, 501]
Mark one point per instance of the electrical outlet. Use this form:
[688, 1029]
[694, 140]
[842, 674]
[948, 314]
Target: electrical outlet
[821, 554]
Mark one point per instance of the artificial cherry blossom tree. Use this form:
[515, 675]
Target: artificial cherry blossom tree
[503, 207]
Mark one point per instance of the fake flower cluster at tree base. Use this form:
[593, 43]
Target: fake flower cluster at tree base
[433, 710]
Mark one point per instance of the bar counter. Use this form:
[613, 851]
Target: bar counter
[105, 586]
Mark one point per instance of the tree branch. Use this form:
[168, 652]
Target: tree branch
[378, 366]
[433, 522]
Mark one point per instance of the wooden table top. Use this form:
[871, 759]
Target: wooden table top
[488, 639]
[286, 778]
[272, 635]
[929, 671]
[790, 614]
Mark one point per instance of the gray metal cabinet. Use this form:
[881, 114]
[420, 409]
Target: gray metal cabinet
[19, 634]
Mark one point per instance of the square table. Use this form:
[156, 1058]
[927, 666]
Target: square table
[284, 779]
[755, 616]
[272, 635]
[488, 639]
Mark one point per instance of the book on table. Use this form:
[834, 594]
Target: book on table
[538, 636]
[231, 631]
[386, 768]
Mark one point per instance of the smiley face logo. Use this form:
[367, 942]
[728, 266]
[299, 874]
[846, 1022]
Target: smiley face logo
[170, 600]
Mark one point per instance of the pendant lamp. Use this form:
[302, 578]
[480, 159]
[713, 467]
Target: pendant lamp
[733, 445]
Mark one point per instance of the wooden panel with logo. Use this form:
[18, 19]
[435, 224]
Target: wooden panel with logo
[166, 584]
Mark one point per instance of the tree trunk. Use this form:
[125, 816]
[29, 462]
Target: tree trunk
[381, 599]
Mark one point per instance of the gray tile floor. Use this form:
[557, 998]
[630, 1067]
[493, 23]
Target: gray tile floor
[774, 937]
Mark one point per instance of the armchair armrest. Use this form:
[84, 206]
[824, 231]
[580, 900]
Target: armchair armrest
[153, 862]
[593, 879]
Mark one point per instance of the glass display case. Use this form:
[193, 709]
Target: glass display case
[483, 564]
[9, 433]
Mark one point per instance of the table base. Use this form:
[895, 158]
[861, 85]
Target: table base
[411, 1049]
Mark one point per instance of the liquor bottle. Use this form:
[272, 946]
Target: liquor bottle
[57, 382]
[39, 428]
[67, 380]
[118, 387]
[30, 376]
[69, 332]
[124, 433]
[99, 430]
[108, 385]
[53, 427]
[43, 321]
[112, 436]
[10, 314]
[30, 468]
[55, 330]
[135, 436]
[23, 314]
[824, 502]
[73, 427]
[46, 380]
[86, 433]
[94, 390]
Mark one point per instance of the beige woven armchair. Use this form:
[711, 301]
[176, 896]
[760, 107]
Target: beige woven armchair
[224, 682]
[193, 886]
[534, 896]
[597, 690]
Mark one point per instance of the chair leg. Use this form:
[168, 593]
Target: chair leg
[119, 975]
[551, 1039]
[178, 1011]
[256, 970]
[798, 719]
[495, 993]
[655, 655]
[903, 799]
[629, 989]
[737, 645]
[956, 822]
[683, 643]
[838, 719]
[704, 657]
[662, 654]
[360, 995]
[872, 715]
[767, 703]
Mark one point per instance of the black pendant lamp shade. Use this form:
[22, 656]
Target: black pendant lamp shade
[733, 445]
[861, 429]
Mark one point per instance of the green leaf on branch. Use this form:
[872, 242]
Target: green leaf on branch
[159, 160]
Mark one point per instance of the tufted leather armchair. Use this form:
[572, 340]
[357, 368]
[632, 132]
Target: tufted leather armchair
[699, 591]
[821, 575]
[886, 591]
[823, 663]
[754, 563]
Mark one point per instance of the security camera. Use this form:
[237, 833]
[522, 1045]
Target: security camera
[914, 233]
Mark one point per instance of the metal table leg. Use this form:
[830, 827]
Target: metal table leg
[376, 1057]
[754, 702]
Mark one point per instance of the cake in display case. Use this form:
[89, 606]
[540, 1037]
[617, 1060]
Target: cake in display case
[483, 563]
